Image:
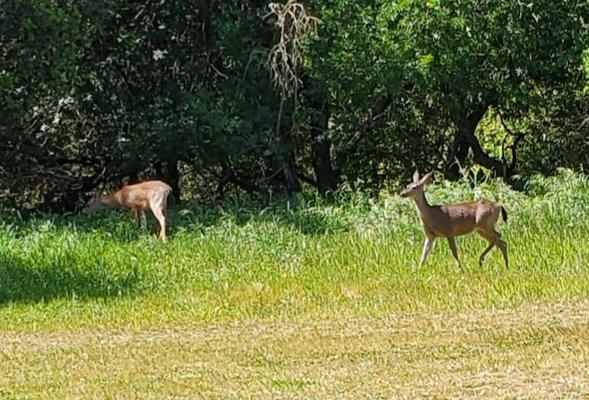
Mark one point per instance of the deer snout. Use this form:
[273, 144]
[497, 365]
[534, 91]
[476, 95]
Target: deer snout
[88, 210]
[92, 207]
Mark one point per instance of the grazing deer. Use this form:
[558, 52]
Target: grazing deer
[454, 220]
[152, 194]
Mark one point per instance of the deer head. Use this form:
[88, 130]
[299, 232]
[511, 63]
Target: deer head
[97, 204]
[416, 187]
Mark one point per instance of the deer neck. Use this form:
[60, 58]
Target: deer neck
[423, 207]
[111, 201]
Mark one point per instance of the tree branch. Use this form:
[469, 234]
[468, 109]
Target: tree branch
[307, 179]
[517, 138]
[374, 116]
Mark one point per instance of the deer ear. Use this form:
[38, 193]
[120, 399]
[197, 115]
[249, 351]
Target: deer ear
[427, 178]
[416, 176]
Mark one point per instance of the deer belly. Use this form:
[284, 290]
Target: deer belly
[139, 203]
[462, 227]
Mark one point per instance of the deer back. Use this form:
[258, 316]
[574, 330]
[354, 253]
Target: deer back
[142, 194]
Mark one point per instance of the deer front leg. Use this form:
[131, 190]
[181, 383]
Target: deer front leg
[143, 219]
[427, 246]
[452, 243]
[135, 213]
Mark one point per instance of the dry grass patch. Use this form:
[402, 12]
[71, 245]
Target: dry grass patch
[531, 352]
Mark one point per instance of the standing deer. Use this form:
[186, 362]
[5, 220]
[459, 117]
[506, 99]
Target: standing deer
[454, 220]
[152, 194]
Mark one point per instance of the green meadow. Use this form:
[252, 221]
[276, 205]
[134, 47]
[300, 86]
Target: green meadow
[242, 294]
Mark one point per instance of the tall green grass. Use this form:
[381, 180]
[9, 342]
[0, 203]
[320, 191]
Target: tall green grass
[303, 258]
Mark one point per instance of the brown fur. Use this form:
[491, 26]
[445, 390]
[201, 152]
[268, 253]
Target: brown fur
[137, 198]
[455, 220]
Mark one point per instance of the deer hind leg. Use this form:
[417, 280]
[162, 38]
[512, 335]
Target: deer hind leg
[454, 249]
[503, 246]
[427, 246]
[495, 237]
[161, 218]
[488, 249]
[158, 206]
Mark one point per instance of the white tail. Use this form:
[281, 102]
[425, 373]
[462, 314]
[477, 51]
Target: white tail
[136, 198]
[456, 219]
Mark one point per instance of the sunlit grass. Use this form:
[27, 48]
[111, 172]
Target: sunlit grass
[358, 255]
[300, 300]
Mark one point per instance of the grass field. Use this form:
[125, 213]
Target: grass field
[299, 300]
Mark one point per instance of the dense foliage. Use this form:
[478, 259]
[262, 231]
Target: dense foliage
[240, 259]
[94, 94]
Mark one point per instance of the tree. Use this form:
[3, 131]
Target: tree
[97, 94]
[466, 57]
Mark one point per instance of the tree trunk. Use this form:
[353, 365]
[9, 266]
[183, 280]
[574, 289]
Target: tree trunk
[325, 176]
[458, 155]
[291, 181]
[168, 172]
[465, 139]
[292, 184]
[174, 181]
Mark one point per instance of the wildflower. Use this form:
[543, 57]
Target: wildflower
[159, 54]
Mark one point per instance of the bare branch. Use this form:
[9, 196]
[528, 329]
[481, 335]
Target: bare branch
[294, 24]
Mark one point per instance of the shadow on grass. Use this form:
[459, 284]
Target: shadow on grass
[118, 226]
[307, 220]
[23, 283]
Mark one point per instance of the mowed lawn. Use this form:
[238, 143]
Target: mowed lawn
[532, 352]
[299, 300]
